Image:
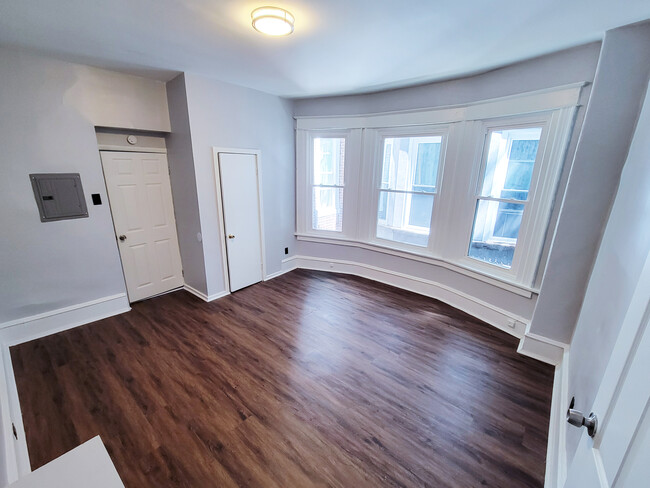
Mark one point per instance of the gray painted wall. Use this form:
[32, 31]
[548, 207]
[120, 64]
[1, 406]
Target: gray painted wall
[565, 67]
[616, 97]
[183, 181]
[623, 251]
[230, 116]
[49, 110]
[561, 68]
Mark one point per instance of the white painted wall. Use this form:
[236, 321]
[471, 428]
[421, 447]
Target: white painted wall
[49, 110]
[570, 66]
[623, 251]
[613, 109]
[230, 116]
[184, 189]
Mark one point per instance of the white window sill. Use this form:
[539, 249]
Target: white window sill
[480, 275]
[410, 229]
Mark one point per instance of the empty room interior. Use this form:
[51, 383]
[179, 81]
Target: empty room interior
[324, 243]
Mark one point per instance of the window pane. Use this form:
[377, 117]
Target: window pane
[426, 169]
[496, 227]
[510, 160]
[327, 209]
[420, 211]
[411, 163]
[329, 159]
[404, 217]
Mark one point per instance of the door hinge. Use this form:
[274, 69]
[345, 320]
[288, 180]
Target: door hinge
[183, 273]
[13, 429]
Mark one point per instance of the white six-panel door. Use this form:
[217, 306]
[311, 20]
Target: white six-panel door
[143, 215]
[241, 212]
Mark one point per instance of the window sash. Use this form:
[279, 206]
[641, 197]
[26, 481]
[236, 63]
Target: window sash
[526, 131]
[406, 191]
[493, 238]
[418, 135]
[305, 151]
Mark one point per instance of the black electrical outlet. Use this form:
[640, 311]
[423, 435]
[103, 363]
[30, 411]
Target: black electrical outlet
[97, 199]
[286, 250]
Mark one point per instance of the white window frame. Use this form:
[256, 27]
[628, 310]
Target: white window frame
[376, 161]
[555, 125]
[305, 180]
[481, 179]
[527, 233]
[460, 168]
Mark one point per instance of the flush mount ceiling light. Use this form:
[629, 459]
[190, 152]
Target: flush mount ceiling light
[272, 21]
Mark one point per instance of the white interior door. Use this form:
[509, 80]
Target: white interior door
[242, 224]
[143, 215]
[619, 453]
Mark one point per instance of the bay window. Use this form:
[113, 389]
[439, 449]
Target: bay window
[470, 187]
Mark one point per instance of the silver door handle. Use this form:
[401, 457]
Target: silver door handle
[577, 419]
[122, 238]
[231, 236]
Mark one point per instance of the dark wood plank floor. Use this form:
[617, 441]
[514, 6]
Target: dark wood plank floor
[311, 379]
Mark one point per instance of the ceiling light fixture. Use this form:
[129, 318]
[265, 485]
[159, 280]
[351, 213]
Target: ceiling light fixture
[272, 21]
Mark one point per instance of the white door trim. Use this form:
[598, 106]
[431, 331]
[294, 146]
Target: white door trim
[260, 199]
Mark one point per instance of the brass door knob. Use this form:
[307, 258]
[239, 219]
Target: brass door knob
[231, 236]
[122, 238]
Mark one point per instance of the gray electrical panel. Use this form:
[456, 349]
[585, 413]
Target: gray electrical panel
[59, 196]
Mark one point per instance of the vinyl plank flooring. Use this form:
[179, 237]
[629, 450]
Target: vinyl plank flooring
[310, 379]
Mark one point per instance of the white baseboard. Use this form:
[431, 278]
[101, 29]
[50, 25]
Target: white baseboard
[542, 348]
[477, 308]
[41, 325]
[203, 296]
[556, 462]
[25, 330]
[287, 265]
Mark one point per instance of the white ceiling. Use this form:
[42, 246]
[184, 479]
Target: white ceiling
[339, 46]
